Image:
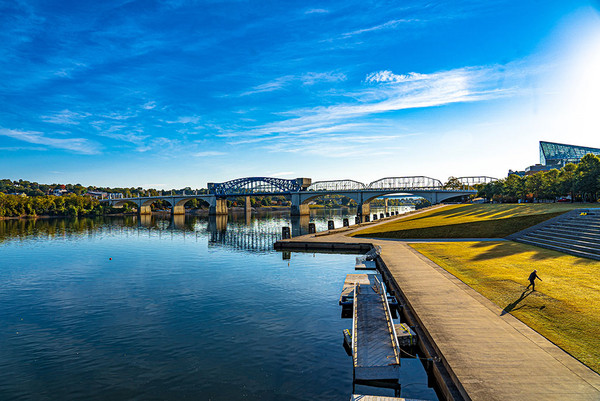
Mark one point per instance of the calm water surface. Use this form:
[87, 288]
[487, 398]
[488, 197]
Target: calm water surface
[193, 308]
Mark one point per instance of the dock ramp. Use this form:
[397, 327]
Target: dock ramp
[347, 295]
[375, 349]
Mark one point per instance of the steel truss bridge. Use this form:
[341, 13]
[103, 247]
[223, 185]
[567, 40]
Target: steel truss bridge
[301, 191]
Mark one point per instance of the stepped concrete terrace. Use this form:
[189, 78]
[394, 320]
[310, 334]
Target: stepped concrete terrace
[483, 354]
[576, 233]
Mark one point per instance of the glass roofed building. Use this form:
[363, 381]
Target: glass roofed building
[556, 155]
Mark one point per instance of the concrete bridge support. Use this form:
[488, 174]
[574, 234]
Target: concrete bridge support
[298, 209]
[177, 210]
[218, 207]
[144, 210]
[385, 209]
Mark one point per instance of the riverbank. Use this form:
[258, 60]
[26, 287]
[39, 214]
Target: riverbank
[487, 354]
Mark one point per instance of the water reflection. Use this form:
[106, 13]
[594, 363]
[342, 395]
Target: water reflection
[254, 232]
[183, 307]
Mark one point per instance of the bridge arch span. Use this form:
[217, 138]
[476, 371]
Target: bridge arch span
[254, 186]
[406, 183]
[123, 202]
[337, 186]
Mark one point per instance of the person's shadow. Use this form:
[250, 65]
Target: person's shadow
[510, 307]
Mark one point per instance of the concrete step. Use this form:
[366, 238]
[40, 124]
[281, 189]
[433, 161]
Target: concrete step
[578, 223]
[576, 226]
[557, 233]
[570, 230]
[560, 249]
[560, 232]
[565, 241]
[579, 248]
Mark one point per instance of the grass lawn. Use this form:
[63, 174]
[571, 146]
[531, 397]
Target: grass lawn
[470, 221]
[565, 306]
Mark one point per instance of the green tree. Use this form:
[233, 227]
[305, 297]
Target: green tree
[453, 183]
[588, 174]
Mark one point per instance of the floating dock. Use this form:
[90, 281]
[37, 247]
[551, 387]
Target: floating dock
[375, 348]
[347, 296]
[365, 265]
[405, 334]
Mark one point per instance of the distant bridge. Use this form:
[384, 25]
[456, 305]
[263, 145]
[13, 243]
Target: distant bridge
[301, 191]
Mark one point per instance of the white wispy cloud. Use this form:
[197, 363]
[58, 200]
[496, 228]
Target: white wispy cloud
[124, 133]
[185, 120]
[309, 78]
[316, 11]
[120, 116]
[65, 117]
[149, 105]
[77, 145]
[392, 24]
[388, 76]
[208, 153]
[270, 86]
[282, 174]
[363, 119]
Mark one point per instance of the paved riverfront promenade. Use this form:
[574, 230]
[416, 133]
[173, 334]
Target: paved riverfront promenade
[492, 357]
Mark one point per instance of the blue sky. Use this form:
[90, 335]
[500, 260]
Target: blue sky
[169, 94]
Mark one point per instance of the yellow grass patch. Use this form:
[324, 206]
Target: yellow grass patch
[470, 221]
[565, 306]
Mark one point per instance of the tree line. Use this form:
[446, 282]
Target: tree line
[577, 181]
[49, 205]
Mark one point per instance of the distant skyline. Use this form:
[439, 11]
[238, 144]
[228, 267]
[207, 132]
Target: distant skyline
[169, 94]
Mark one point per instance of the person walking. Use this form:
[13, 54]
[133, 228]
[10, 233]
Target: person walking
[532, 278]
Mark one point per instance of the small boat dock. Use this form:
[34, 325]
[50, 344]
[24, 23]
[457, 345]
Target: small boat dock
[375, 348]
[347, 295]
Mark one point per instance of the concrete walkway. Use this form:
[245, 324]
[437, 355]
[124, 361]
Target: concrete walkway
[492, 356]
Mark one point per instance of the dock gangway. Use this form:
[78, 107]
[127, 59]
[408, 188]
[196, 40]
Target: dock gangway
[375, 348]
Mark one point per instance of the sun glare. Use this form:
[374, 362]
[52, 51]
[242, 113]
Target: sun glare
[579, 89]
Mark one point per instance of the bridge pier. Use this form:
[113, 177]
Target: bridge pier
[218, 207]
[385, 208]
[177, 210]
[299, 208]
[144, 209]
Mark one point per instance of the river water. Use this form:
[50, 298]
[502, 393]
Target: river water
[161, 309]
